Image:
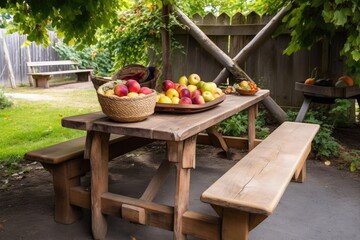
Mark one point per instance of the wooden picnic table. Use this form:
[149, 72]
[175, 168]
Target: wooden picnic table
[180, 132]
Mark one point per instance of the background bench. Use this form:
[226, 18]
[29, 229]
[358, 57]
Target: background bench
[250, 191]
[42, 78]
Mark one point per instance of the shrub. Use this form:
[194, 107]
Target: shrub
[4, 101]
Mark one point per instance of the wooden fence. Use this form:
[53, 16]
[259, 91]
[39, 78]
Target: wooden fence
[18, 56]
[267, 65]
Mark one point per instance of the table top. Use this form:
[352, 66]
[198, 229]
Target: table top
[166, 126]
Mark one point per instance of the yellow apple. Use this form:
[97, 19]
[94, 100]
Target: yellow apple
[194, 79]
[172, 93]
[132, 94]
[192, 87]
[109, 92]
[183, 80]
[164, 99]
[175, 100]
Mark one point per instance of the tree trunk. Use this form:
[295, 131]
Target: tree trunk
[257, 41]
[210, 47]
[8, 63]
[166, 43]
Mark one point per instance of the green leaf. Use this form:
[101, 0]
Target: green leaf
[340, 18]
[355, 55]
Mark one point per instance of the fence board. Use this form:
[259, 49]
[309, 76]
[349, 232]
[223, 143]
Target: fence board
[18, 56]
[266, 65]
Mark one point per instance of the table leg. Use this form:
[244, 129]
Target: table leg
[304, 108]
[99, 181]
[251, 126]
[183, 155]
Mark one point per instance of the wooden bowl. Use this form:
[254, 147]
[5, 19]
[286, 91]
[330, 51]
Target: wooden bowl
[247, 92]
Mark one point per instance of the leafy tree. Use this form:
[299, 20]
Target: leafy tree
[313, 21]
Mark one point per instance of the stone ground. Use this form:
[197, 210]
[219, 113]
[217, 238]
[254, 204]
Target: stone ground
[325, 207]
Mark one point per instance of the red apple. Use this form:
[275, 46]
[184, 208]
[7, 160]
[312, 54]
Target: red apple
[195, 93]
[133, 85]
[185, 100]
[198, 99]
[145, 90]
[176, 85]
[121, 90]
[167, 84]
[185, 93]
[180, 87]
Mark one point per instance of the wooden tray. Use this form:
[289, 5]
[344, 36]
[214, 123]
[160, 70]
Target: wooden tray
[188, 108]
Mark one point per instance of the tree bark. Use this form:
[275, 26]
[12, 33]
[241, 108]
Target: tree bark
[166, 43]
[258, 40]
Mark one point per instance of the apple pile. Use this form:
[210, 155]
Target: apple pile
[188, 90]
[128, 88]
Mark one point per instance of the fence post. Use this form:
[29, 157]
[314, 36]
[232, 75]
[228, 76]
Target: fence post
[28, 57]
[8, 63]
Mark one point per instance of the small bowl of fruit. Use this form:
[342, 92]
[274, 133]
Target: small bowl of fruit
[126, 100]
[245, 87]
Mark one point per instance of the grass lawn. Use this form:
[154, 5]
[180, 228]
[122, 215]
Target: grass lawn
[34, 120]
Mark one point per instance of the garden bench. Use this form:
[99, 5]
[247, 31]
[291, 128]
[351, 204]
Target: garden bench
[42, 78]
[67, 164]
[250, 191]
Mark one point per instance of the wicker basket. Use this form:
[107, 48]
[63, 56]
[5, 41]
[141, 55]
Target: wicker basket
[150, 83]
[132, 71]
[126, 109]
[247, 92]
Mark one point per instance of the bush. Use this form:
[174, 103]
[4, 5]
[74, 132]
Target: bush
[4, 101]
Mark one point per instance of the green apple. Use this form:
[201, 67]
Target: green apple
[183, 80]
[208, 86]
[208, 96]
[194, 79]
[199, 85]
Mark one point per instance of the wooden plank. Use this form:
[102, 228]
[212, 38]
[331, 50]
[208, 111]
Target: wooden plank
[156, 182]
[133, 213]
[201, 226]
[51, 63]
[231, 142]
[60, 72]
[256, 183]
[156, 215]
[251, 126]
[235, 225]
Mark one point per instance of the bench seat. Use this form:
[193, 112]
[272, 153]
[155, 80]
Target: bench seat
[61, 72]
[250, 191]
[66, 163]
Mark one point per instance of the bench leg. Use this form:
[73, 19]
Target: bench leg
[235, 225]
[41, 81]
[82, 77]
[302, 175]
[65, 213]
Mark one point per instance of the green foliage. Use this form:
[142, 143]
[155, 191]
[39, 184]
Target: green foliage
[75, 19]
[93, 57]
[4, 101]
[314, 21]
[237, 125]
[340, 114]
[324, 144]
[351, 160]
[132, 33]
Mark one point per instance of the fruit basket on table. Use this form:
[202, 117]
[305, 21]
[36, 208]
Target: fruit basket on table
[118, 104]
[146, 76]
[245, 87]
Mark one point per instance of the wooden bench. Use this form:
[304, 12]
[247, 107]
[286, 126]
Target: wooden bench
[66, 162]
[42, 78]
[250, 191]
